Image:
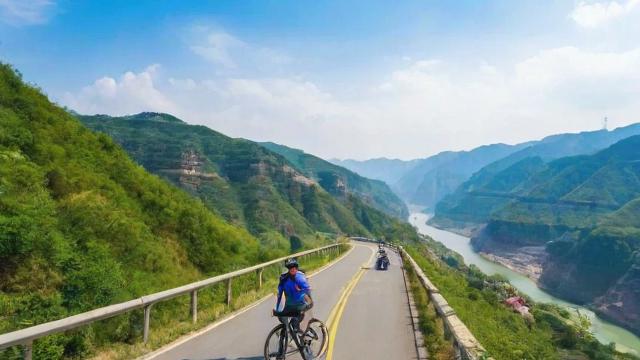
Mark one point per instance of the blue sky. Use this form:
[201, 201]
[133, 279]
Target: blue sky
[407, 79]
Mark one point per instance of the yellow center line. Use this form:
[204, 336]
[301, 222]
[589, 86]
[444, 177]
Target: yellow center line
[338, 309]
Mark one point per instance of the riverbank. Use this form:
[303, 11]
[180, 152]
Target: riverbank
[460, 228]
[605, 331]
[527, 261]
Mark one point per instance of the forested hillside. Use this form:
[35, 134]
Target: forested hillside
[244, 182]
[341, 182]
[83, 226]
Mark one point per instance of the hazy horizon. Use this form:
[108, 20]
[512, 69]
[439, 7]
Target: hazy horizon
[345, 80]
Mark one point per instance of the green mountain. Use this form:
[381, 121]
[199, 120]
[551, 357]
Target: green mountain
[484, 192]
[245, 183]
[583, 210]
[426, 181]
[341, 182]
[82, 226]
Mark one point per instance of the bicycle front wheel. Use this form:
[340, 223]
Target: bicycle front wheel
[276, 345]
[316, 337]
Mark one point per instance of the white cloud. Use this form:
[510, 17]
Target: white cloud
[218, 48]
[600, 13]
[131, 93]
[600, 81]
[26, 12]
[423, 107]
[222, 48]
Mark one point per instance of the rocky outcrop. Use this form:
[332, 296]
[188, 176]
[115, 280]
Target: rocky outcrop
[562, 280]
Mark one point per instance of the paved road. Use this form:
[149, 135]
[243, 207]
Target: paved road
[375, 323]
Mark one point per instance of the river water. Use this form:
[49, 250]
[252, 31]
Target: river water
[603, 330]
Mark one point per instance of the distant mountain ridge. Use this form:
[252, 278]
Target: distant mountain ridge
[387, 170]
[440, 175]
[468, 203]
[428, 180]
[425, 181]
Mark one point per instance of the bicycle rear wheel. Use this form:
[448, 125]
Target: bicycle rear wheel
[316, 337]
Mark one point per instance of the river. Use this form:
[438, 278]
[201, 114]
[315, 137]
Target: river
[603, 330]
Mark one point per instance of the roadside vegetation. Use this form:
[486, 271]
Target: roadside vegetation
[551, 333]
[431, 325]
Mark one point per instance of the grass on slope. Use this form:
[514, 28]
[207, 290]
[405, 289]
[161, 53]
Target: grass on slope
[430, 324]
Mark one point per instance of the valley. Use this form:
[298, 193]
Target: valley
[604, 331]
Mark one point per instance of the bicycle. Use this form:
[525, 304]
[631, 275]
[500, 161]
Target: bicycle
[286, 338]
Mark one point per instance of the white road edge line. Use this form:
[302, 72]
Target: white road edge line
[229, 317]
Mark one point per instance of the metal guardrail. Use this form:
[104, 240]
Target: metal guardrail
[25, 337]
[465, 344]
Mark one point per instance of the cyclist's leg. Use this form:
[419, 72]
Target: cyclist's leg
[295, 320]
[282, 344]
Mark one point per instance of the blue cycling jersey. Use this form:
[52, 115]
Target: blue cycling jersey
[294, 287]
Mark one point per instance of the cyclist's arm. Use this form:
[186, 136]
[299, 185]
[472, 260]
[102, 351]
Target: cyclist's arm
[303, 285]
[280, 291]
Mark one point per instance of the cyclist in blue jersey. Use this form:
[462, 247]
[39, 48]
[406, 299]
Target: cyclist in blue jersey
[296, 288]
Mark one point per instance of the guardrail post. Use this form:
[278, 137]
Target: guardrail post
[259, 275]
[457, 351]
[229, 292]
[194, 306]
[147, 318]
[28, 350]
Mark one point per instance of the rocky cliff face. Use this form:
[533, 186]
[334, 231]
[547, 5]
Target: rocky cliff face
[621, 303]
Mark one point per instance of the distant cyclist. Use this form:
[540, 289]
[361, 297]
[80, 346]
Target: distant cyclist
[296, 288]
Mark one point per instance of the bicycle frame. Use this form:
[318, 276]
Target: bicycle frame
[290, 330]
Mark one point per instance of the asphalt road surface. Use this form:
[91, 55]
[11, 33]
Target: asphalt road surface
[374, 324]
